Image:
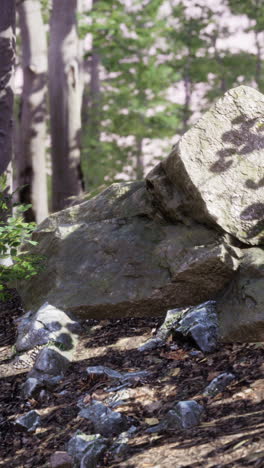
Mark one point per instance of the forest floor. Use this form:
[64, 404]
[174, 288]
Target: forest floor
[231, 433]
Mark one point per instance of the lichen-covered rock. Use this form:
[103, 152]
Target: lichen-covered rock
[48, 324]
[241, 308]
[199, 323]
[112, 256]
[215, 172]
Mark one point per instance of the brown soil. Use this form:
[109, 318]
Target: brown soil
[231, 433]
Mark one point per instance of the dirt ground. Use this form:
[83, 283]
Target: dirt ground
[231, 433]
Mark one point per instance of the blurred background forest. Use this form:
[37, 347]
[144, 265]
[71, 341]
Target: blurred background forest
[104, 88]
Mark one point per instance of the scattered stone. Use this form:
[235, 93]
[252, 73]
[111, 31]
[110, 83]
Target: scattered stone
[198, 322]
[218, 384]
[28, 422]
[106, 371]
[201, 323]
[184, 415]
[105, 421]
[51, 362]
[120, 446]
[86, 449]
[31, 388]
[48, 324]
[152, 343]
[128, 377]
[61, 460]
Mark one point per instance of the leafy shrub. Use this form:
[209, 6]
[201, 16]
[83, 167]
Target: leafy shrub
[15, 262]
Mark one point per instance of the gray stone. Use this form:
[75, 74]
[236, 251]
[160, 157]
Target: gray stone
[105, 421]
[201, 323]
[82, 444]
[223, 150]
[114, 256]
[28, 422]
[198, 322]
[120, 445]
[48, 324]
[125, 378]
[103, 370]
[61, 459]
[218, 384]
[185, 415]
[31, 388]
[241, 308]
[51, 362]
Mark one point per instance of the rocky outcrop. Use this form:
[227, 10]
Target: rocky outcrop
[215, 173]
[114, 256]
[241, 307]
[173, 241]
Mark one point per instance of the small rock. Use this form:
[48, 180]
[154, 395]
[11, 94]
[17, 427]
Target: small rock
[151, 344]
[218, 384]
[29, 422]
[47, 324]
[61, 460]
[120, 446]
[198, 322]
[51, 362]
[105, 421]
[31, 388]
[186, 414]
[92, 445]
[102, 370]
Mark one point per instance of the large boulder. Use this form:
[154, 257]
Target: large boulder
[215, 173]
[115, 256]
[241, 307]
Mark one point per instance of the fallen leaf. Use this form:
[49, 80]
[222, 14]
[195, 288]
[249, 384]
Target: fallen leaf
[151, 421]
[174, 371]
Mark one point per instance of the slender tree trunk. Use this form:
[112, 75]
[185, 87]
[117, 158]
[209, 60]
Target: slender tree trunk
[139, 158]
[65, 102]
[32, 131]
[187, 99]
[258, 61]
[7, 61]
[92, 112]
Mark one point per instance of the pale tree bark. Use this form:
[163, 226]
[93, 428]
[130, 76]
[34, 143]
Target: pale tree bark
[31, 157]
[7, 61]
[65, 102]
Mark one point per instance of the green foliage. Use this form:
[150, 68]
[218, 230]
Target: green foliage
[132, 94]
[15, 232]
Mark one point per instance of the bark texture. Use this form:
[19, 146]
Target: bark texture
[32, 132]
[65, 102]
[7, 54]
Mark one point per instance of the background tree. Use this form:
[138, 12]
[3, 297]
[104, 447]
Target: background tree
[31, 151]
[65, 103]
[7, 55]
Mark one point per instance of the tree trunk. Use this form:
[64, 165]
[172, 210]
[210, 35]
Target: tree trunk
[32, 132]
[139, 159]
[65, 102]
[91, 114]
[7, 61]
